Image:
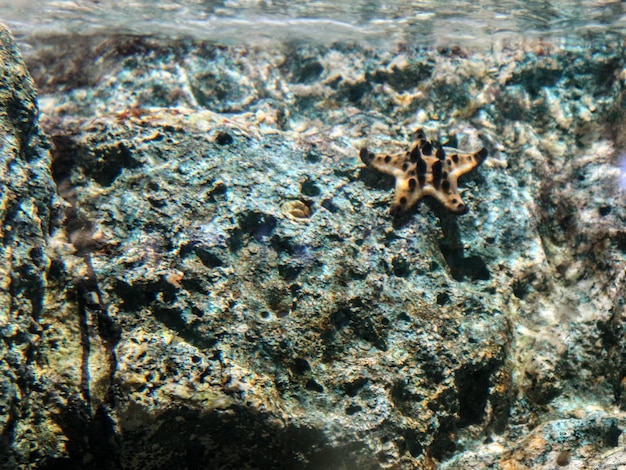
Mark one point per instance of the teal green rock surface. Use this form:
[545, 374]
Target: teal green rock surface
[227, 288]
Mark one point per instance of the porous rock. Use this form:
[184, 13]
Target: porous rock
[28, 211]
[207, 328]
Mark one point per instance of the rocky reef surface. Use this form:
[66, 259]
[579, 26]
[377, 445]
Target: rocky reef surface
[217, 281]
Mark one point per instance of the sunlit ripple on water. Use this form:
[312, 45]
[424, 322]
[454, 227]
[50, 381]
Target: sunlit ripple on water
[424, 22]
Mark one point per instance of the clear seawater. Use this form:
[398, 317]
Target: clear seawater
[386, 23]
[424, 22]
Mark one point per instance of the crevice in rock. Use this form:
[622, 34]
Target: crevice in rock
[87, 431]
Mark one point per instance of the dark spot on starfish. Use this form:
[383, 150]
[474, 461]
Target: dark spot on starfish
[441, 154]
[444, 175]
[445, 185]
[387, 158]
[422, 179]
[454, 201]
[413, 173]
[421, 167]
[412, 184]
[455, 158]
[427, 148]
[415, 154]
[436, 170]
[403, 200]
[405, 166]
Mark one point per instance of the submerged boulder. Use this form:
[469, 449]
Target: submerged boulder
[28, 211]
[230, 290]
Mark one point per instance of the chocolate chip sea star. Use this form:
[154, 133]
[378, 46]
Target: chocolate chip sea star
[425, 171]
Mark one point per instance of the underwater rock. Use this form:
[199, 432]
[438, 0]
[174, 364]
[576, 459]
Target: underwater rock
[556, 444]
[230, 291]
[28, 210]
[234, 312]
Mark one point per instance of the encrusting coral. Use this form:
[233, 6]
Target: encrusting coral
[425, 171]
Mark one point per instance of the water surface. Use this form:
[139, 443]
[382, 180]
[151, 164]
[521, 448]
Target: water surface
[424, 22]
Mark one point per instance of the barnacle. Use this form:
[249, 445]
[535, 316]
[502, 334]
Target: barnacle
[296, 210]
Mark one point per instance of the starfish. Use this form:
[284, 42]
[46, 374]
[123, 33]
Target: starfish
[425, 171]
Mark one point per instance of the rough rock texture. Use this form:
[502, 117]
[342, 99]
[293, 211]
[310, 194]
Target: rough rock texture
[228, 289]
[27, 206]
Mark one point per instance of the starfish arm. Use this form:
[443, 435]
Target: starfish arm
[458, 163]
[408, 192]
[450, 199]
[395, 164]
